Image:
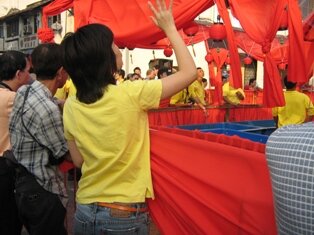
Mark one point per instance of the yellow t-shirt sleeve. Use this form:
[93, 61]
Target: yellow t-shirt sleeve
[146, 93]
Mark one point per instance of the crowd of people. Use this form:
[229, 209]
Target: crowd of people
[82, 108]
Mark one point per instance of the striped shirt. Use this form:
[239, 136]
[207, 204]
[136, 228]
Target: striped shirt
[290, 157]
[43, 119]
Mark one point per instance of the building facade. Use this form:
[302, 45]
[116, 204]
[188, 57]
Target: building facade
[18, 27]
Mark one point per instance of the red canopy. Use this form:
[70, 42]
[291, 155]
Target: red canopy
[260, 20]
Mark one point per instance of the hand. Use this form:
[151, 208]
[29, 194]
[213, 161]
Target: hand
[163, 17]
[205, 111]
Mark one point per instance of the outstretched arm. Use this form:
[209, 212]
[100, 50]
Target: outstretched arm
[162, 17]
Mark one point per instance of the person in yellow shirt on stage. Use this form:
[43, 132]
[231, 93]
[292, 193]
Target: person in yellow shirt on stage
[196, 90]
[231, 95]
[180, 99]
[298, 109]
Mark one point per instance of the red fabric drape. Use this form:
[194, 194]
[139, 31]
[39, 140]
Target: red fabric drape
[296, 69]
[260, 20]
[55, 8]
[279, 52]
[308, 28]
[219, 57]
[134, 26]
[174, 117]
[205, 187]
[236, 78]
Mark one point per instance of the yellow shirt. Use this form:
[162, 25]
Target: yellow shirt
[298, 106]
[179, 98]
[196, 89]
[112, 136]
[67, 90]
[230, 92]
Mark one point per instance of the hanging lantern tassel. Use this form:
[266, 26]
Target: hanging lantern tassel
[154, 54]
[193, 50]
[131, 58]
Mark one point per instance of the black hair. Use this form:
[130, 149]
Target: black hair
[10, 63]
[136, 69]
[288, 84]
[252, 80]
[156, 66]
[46, 60]
[121, 72]
[198, 68]
[204, 80]
[90, 61]
[162, 70]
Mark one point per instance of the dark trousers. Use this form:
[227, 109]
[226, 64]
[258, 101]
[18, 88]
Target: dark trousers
[41, 211]
[10, 223]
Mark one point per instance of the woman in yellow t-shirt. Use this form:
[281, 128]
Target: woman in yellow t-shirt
[106, 126]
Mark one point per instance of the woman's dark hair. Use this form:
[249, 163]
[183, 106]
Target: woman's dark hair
[90, 61]
[10, 62]
[46, 69]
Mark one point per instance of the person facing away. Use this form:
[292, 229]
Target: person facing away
[290, 159]
[38, 143]
[298, 108]
[116, 178]
[14, 72]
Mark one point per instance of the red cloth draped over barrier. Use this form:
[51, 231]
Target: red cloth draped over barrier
[260, 20]
[206, 187]
[181, 116]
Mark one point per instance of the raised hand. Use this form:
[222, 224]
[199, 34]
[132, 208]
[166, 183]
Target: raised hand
[163, 17]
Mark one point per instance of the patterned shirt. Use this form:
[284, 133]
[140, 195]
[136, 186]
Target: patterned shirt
[290, 157]
[42, 118]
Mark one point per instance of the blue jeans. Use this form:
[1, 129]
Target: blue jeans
[92, 219]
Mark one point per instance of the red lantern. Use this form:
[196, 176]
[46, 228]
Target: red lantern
[284, 20]
[218, 31]
[168, 52]
[282, 66]
[191, 29]
[209, 57]
[45, 35]
[247, 60]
